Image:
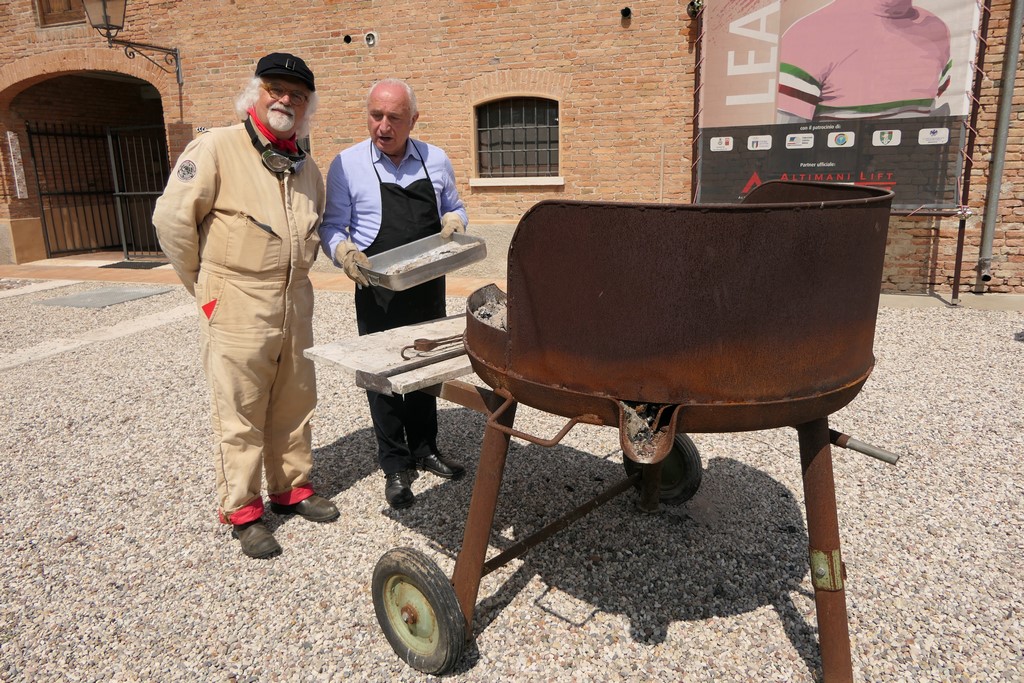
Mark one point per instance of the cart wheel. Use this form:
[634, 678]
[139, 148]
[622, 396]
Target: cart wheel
[418, 611]
[681, 471]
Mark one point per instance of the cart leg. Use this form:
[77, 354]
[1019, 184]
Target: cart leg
[470, 561]
[827, 571]
[650, 489]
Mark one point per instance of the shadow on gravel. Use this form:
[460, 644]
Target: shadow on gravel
[353, 456]
[339, 465]
[738, 545]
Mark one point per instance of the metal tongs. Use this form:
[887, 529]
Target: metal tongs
[420, 356]
[420, 346]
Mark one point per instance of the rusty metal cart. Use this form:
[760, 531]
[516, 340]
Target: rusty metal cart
[662, 320]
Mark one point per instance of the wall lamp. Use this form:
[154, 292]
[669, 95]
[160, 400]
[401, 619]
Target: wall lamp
[108, 19]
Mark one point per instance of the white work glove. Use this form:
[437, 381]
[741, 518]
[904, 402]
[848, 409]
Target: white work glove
[350, 258]
[451, 223]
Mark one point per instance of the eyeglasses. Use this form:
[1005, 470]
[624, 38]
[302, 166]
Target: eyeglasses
[277, 92]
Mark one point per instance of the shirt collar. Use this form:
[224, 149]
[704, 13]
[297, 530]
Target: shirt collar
[379, 155]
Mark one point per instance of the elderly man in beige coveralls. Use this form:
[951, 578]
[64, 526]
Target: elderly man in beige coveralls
[238, 222]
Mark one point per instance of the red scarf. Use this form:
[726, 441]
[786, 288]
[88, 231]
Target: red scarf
[289, 145]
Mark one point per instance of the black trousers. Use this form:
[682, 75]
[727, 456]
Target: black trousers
[405, 426]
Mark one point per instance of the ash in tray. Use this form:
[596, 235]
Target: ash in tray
[494, 314]
[436, 254]
[641, 428]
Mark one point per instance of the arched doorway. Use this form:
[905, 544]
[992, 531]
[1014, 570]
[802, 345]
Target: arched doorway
[97, 161]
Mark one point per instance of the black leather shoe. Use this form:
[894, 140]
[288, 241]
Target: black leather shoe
[256, 539]
[397, 489]
[442, 467]
[315, 509]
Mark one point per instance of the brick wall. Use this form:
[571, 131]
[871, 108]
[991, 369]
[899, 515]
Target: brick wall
[625, 87]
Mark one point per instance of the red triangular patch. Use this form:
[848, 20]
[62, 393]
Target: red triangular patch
[208, 308]
[755, 181]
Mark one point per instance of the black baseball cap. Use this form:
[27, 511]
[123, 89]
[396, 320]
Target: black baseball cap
[284, 64]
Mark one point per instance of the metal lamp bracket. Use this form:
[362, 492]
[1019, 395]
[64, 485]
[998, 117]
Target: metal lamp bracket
[171, 58]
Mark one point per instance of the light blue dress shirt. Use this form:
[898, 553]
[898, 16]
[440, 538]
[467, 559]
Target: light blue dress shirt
[353, 191]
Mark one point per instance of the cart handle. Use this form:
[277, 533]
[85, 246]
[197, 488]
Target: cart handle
[847, 441]
[491, 423]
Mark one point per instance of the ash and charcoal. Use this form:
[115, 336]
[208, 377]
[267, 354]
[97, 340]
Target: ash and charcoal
[436, 254]
[494, 314]
[641, 428]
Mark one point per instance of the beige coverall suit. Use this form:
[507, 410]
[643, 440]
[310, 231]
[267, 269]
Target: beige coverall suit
[242, 240]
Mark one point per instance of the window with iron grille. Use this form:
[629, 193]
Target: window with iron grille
[57, 12]
[517, 137]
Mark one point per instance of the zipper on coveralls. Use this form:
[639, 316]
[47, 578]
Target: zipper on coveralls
[282, 183]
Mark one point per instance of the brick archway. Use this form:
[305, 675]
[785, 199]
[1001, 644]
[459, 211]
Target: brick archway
[64, 108]
[27, 71]
[524, 82]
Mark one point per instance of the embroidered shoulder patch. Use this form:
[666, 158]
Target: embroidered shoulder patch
[186, 171]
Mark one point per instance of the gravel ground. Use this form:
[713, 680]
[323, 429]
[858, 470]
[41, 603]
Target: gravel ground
[116, 569]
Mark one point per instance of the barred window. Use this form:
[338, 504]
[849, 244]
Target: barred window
[57, 12]
[517, 137]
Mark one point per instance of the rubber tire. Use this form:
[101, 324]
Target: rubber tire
[406, 579]
[681, 471]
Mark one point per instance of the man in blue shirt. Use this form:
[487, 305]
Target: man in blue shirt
[384, 192]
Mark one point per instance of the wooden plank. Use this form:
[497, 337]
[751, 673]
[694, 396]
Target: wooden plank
[381, 382]
[375, 360]
[422, 378]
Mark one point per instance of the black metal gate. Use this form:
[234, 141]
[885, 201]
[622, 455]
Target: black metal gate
[138, 158]
[97, 187]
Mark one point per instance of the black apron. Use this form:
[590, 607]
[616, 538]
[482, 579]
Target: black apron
[406, 214]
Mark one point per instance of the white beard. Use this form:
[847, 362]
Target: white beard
[279, 120]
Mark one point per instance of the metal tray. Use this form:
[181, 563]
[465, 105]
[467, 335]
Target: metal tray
[378, 273]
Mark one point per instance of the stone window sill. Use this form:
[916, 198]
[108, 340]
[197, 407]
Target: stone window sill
[547, 181]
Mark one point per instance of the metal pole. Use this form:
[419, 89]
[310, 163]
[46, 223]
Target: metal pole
[470, 561]
[827, 571]
[968, 150]
[1011, 58]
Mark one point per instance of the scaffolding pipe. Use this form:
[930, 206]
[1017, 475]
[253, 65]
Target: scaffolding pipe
[1011, 58]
